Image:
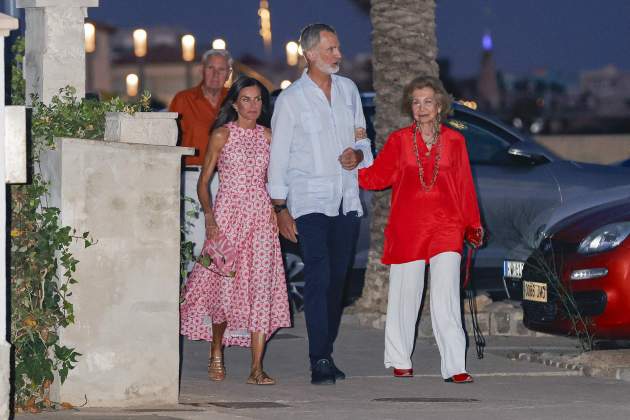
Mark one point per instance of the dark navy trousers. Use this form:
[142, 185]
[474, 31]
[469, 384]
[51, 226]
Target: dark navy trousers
[327, 245]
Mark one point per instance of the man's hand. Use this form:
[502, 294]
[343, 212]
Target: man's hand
[350, 158]
[360, 134]
[286, 225]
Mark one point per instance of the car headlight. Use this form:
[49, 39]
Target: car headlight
[605, 238]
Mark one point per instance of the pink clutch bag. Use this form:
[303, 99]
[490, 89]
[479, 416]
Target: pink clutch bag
[219, 256]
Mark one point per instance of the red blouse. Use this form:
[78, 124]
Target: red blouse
[423, 224]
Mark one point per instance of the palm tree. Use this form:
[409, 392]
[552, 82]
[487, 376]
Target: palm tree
[404, 46]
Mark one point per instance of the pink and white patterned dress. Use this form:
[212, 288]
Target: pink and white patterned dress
[256, 299]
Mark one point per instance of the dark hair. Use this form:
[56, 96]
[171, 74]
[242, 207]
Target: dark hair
[227, 113]
[309, 37]
[444, 99]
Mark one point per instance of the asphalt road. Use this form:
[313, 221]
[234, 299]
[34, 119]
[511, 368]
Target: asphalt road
[503, 388]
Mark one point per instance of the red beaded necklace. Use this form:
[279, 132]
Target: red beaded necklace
[436, 166]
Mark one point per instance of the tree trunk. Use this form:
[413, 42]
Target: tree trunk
[404, 46]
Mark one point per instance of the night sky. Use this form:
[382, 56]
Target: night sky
[564, 36]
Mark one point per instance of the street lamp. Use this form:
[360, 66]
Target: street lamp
[292, 53]
[90, 37]
[265, 24]
[188, 47]
[89, 31]
[219, 44]
[188, 55]
[140, 42]
[140, 51]
[132, 84]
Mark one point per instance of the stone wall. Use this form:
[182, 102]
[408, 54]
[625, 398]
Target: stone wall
[493, 319]
[55, 51]
[127, 299]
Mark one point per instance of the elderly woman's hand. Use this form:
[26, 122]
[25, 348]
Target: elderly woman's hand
[474, 236]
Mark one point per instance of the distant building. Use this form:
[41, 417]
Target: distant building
[489, 96]
[162, 71]
[606, 91]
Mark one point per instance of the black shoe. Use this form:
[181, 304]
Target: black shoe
[339, 375]
[323, 373]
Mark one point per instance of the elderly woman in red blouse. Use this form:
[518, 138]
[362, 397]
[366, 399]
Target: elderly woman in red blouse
[433, 209]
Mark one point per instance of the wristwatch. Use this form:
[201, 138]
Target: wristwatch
[279, 207]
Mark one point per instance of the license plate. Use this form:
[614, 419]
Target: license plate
[513, 269]
[533, 291]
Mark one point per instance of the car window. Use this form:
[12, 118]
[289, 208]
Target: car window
[484, 147]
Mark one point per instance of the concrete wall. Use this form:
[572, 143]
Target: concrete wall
[55, 51]
[603, 149]
[12, 170]
[127, 299]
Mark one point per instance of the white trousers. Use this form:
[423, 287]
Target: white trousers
[406, 285]
[197, 229]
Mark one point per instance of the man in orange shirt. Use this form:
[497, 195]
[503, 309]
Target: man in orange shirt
[198, 108]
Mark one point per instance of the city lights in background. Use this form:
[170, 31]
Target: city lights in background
[132, 82]
[285, 84]
[188, 47]
[140, 42]
[219, 44]
[90, 37]
[292, 53]
[265, 24]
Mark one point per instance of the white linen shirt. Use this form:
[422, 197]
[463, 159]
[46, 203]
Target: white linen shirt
[308, 136]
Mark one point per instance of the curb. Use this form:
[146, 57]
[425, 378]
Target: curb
[564, 362]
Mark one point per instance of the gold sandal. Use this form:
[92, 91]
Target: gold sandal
[260, 378]
[216, 368]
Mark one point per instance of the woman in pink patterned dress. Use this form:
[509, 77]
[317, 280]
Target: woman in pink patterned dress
[247, 309]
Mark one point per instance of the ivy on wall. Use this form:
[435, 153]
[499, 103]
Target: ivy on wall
[42, 266]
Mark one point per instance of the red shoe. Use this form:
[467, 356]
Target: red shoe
[460, 378]
[403, 373]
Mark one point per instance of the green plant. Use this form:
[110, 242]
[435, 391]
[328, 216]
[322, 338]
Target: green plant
[42, 266]
[187, 247]
[547, 266]
[18, 84]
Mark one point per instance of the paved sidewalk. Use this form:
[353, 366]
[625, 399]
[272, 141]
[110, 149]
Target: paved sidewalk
[370, 392]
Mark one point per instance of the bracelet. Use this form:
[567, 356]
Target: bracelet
[279, 207]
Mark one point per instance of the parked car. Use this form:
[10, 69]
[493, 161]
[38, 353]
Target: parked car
[548, 222]
[519, 184]
[589, 252]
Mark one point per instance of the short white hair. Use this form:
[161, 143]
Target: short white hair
[310, 35]
[221, 53]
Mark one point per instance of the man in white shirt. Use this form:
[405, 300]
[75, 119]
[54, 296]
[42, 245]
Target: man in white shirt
[318, 143]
